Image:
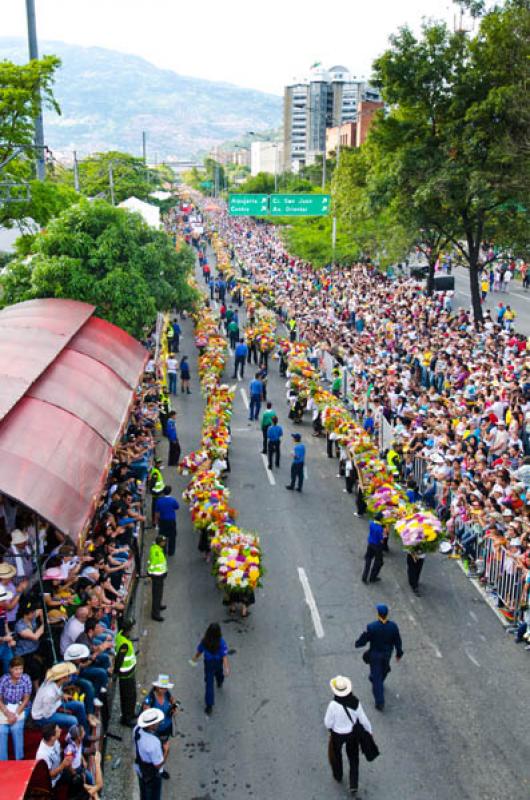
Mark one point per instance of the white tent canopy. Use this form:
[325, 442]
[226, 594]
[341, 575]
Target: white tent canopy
[151, 214]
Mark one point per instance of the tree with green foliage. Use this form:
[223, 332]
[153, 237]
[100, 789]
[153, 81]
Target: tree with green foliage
[20, 102]
[453, 150]
[131, 177]
[106, 256]
[46, 200]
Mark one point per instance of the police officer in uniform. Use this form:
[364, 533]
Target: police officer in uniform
[156, 484]
[157, 571]
[150, 754]
[382, 636]
[125, 669]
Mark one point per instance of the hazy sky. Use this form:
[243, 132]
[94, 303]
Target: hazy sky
[262, 45]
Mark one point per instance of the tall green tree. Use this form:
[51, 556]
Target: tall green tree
[453, 150]
[19, 102]
[106, 256]
[130, 176]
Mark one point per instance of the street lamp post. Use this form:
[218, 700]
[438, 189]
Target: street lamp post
[39, 124]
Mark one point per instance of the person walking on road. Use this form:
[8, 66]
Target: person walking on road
[297, 467]
[185, 375]
[373, 558]
[266, 422]
[157, 571]
[274, 438]
[150, 754]
[256, 396]
[382, 636]
[172, 366]
[177, 332]
[216, 666]
[345, 720]
[240, 354]
[166, 508]
[174, 444]
[415, 562]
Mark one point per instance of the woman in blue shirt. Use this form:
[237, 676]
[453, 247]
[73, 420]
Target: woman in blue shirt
[215, 651]
[185, 374]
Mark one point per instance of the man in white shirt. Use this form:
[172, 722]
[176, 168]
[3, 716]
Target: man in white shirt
[74, 627]
[172, 367]
[342, 715]
[49, 750]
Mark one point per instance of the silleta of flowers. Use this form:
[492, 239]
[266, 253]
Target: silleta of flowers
[418, 530]
[236, 552]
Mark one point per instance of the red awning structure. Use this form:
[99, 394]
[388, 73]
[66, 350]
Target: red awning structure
[66, 385]
[16, 777]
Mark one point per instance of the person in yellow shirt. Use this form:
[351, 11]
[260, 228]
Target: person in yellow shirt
[484, 286]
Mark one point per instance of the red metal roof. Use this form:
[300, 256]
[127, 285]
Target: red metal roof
[17, 776]
[72, 379]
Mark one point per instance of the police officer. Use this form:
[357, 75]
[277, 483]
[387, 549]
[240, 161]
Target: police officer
[150, 754]
[382, 636]
[292, 330]
[157, 571]
[156, 484]
[374, 550]
[274, 438]
[297, 466]
[125, 669]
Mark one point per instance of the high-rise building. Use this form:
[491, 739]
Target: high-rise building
[325, 99]
[266, 157]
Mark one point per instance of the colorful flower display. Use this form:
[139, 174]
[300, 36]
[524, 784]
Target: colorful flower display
[236, 553]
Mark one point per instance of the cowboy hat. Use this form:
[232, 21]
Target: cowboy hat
[76, 652]
[18, 537]
[5, 595]
[7, 571]
[62, 670]
[152, 716]
[162, 682]
[340, 686]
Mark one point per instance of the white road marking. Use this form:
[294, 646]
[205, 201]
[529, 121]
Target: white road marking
[310, 600]
[522, 296]
[412, 618]
[245, 398]
[472, 658]
[270, 476]
[473, 616]
[437, 651]
[306, 473]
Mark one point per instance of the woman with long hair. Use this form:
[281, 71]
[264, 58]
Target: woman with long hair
[216, 666]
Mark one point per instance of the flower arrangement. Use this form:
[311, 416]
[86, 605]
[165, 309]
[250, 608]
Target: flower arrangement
[419, 531]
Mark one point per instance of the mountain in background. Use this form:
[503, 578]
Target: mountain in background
[108, 98]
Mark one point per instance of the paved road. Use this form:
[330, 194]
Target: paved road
[517, 298]
[455, 723]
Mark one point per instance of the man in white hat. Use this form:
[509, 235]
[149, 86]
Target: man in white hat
[150, 754]
[93, 680]
[342, 715]
[20, 556]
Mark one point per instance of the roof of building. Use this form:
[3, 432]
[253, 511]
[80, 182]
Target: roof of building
[66, 385]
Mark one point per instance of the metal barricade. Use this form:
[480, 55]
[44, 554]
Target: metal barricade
[503, 576]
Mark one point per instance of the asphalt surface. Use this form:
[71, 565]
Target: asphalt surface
[455, 722]
[518, 298]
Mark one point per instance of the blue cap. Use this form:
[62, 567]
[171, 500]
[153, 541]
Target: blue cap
[382, 610]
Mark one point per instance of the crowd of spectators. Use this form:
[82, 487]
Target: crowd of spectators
[454, 394]
[61, 604]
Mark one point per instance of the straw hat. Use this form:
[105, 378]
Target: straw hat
[18, 537]
[62, 670]
[340, 686]
[162, 682]
[7, 571]
[152, 716]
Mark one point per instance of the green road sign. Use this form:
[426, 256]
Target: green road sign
[246, 205]
[207, 184]
[300, 205]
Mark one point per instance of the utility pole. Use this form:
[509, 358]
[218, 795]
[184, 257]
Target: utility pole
[76, 172]
[144, 146]
[39, 125]
[276, 168]
[334, 220]
[111, 185]
[324, 165]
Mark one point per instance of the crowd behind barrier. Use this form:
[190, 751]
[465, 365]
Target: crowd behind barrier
[455, 394]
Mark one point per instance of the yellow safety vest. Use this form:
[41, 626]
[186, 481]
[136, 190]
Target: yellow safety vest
[159, 484]
[157, 563]
[129, 662]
